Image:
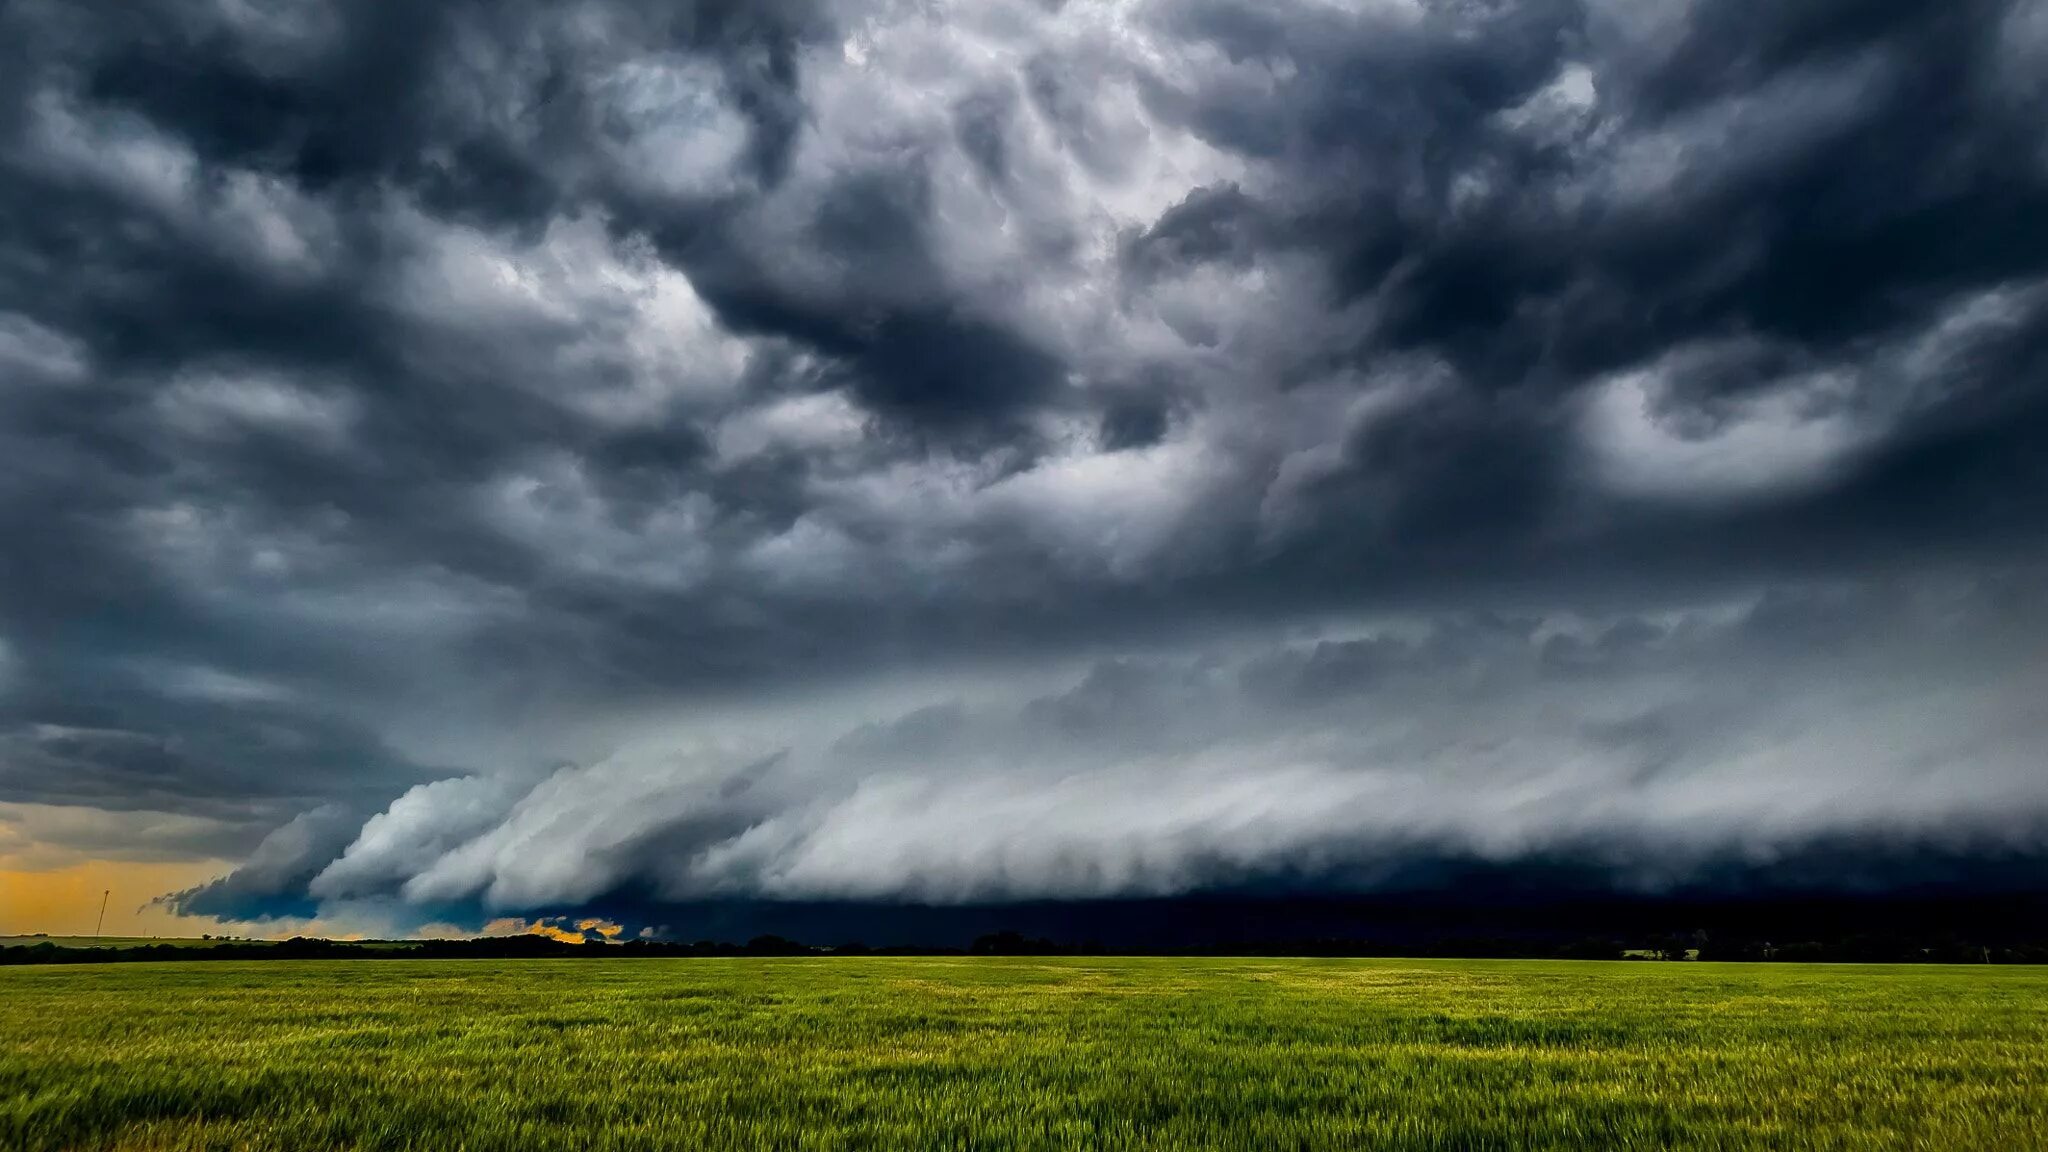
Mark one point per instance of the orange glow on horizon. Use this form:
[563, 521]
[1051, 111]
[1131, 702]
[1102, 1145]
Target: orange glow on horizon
[66, 901]
[554, 928]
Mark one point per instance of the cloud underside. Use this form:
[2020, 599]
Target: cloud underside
[1736, 745]
[496, 457]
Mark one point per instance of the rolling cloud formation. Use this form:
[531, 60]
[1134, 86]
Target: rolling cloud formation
[476, 459]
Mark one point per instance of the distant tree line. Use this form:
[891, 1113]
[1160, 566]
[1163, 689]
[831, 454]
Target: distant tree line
[1869, 948]
[1697, 946]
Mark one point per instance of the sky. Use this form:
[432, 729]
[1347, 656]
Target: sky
[473, 463]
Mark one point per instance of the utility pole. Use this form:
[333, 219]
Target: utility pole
[97, 928]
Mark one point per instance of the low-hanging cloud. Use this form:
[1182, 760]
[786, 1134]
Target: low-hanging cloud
[1660, 747]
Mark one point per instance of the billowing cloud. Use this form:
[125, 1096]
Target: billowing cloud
[1658, 744]
[475, 458]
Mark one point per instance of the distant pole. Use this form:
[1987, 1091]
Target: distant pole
[97, 928]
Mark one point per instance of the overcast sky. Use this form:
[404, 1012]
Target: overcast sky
[470, 460]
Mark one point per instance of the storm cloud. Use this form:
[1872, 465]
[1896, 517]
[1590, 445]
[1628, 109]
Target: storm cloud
[488, 459]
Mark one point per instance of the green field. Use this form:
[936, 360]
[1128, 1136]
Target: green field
[1013, 1053]
[115, 941]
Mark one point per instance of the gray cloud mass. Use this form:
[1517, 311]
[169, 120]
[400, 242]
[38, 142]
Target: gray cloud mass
[469, 458]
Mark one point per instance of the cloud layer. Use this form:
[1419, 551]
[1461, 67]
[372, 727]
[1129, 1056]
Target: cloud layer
[494, 457]
[1657, 748]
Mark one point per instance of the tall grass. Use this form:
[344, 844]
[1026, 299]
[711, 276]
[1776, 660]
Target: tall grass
[1042, 1054]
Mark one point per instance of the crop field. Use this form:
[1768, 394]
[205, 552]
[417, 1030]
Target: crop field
[112, 941]
[1021, 1053]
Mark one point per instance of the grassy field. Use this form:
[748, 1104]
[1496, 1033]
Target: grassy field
[1044, 1054]
[113, 941]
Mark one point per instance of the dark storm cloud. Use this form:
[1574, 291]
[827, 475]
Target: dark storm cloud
[429, 395]
[1702, 748]
[271, 881]
[1541, 189]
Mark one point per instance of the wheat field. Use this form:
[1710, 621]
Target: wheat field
[1021, 1054]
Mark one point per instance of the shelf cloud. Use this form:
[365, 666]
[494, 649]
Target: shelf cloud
[472, 462]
